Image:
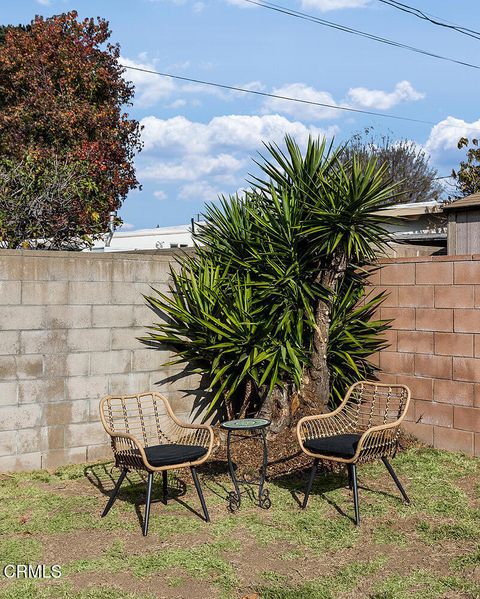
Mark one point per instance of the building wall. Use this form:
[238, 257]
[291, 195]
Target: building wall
[435, 345]
[69, 324]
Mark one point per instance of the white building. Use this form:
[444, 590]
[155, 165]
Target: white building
[159, 238]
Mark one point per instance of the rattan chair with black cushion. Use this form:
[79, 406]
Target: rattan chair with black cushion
[146, 435]
[365, 427]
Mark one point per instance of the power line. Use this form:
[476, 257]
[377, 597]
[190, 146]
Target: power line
[278, 96]
[383, 40]
[290, 99]
[431, 18]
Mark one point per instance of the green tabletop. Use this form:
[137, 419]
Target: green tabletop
[246, 424]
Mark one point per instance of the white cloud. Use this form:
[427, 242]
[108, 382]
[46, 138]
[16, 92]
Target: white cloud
[229, 132]
[357, 97]
[444, 135]
[44, 2]
[297, 109]
[160, 195]
[180, 103]
[200, 190]
[198, 7]
[191, 168]
[381, 100]
[199, 161]
[149, 88]
[326, 5]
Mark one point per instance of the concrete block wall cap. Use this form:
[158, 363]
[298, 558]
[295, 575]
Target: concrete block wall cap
[406, 259]
[448, 258]
[156, 255]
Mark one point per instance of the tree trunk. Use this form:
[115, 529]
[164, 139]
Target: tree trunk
[246, 398]
[276, 408]
[315, 391]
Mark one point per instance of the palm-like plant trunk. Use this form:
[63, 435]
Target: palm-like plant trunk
[315, 390]
[276, 407]
[246, 398]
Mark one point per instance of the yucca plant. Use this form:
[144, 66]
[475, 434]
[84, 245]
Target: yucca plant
[218, 326]
[341, 228]
[251, 309]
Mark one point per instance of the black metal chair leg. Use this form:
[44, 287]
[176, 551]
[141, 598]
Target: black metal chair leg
[395, 478]
[353, 476]
[200, 493]
[313, 471]
[147, 503]
[113, 496]
[165, 486]
[350, 484]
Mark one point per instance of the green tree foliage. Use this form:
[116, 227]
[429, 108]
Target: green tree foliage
[43, 202]
[62, 97]
[406, 165]
[467, 177]
[244, 310]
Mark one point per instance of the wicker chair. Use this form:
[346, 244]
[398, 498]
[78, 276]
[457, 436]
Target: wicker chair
[364, 427]
[146, 435]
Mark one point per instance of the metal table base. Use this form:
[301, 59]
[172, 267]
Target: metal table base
[263, 495]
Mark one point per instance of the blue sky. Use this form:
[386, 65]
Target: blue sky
[199, 140]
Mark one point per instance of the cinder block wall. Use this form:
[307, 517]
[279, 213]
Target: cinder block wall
[69, 324]
[435, 345]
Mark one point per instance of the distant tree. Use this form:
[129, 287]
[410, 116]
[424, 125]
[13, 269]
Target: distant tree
[48, 203]
[62, 98]
[406, 164]
[467, 177]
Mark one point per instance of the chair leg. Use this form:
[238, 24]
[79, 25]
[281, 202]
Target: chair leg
[313, 471]
[200, 492]
[147, 503]
[353, 477]
[165, 486]
[113, 496]
[395, 478]
[350, 484]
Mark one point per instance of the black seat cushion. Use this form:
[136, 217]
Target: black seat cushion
[341, 446]
[172, 453]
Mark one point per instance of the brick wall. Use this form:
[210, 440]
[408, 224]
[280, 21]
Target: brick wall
[435, 345]
[68, 329]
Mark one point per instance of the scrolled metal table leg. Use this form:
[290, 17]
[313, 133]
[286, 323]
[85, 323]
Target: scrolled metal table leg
[263, 494]
[234, 497]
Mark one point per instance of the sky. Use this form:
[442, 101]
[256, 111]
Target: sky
[200, 141]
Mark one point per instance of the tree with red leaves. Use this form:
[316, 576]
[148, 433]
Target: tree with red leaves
[62, 99]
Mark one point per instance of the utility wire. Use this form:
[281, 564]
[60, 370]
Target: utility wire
[280, 97]
[383, 40]
[431, 18]
[290, 99]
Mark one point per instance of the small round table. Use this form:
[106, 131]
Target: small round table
[258, 426]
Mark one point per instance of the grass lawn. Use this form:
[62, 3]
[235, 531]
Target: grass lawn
[429, 549]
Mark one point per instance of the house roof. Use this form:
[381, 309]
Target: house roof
[470, 202]
[410, 210]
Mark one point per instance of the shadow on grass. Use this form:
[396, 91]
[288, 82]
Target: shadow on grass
[325, 482]
[133, 490]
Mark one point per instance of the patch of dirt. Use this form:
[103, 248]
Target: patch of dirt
[156, 584]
